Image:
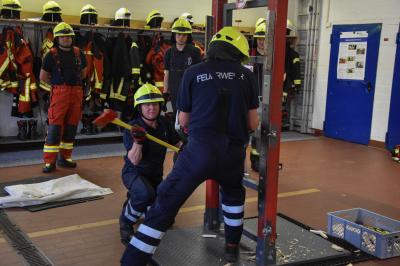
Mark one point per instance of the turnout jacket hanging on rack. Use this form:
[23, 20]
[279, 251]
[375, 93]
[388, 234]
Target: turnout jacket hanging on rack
[16, 71]
[155, 57]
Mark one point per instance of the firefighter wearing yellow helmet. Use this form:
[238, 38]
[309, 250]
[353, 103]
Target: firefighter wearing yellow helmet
[143, 169]
[292, 82]
[259, 50]
[218, 103]
[64, 68]
[178, 58]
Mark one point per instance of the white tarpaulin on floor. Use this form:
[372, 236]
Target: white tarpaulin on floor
[64, 188]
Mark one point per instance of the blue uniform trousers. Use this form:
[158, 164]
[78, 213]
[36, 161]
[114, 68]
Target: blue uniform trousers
[215, 158]
[141, 195]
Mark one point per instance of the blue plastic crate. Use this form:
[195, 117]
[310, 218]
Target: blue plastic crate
[361, 228]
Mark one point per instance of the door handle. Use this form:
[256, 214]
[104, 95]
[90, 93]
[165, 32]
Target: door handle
[368, 84]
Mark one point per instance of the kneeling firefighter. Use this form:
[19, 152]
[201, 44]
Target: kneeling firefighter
[63, 69]
[218, 102]
[143, 169]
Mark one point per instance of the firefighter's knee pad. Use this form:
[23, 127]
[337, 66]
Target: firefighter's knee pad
[69, 133]
[141, 191]
[53, 134]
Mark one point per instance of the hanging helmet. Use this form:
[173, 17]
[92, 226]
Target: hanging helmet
[51, 7]
[188, 17]
[182, 26]
[154, 14]
[233, 37]
[148, 93]
[88, 9]
[11, 5]
[123, 13]
[396, 153]
[260, 21]
[63, 29]
[260, 31]
[290, 29]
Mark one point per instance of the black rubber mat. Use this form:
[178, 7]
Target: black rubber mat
[295, 244]
[188, 247]
[21, 243]
[44, 206]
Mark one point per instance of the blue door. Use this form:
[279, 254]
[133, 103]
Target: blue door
[393, 133]
[351, 82]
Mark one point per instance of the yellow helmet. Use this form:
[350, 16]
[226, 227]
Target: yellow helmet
[260, 21]
[260, 31]
[88, 9]
[63, 29]
[122, 13]
[291, 28]
[148, 93]
[182, 26]
[11, 5]
[152, 15]
[233, 37]
[187, 16]
[51, 7]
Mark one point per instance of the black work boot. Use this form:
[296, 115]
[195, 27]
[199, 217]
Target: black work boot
[125, 231]
[22, 129]
[67, 163]
[48, 168]
[33, 129]
[231, 252]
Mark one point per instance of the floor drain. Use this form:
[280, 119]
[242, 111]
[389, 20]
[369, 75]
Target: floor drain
[21, 242]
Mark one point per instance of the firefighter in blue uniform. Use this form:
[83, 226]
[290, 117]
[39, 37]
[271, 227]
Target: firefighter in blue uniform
[218, 102]
[143, 169]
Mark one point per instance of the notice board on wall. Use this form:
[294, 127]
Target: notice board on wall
[352, 55]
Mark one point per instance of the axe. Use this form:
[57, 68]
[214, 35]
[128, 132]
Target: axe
[109, 116]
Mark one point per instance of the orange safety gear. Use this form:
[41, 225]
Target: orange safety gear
[94, 68]
[64, 113]
[155, 57]
[16, 71]
[47, 44]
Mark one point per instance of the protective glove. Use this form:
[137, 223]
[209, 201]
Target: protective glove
[138, 134]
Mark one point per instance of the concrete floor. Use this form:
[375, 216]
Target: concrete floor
[324, 175]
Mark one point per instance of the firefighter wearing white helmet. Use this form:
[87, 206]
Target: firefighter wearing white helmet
[218, 102]
[292, 82]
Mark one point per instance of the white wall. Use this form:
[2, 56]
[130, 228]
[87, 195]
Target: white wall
[360, 12]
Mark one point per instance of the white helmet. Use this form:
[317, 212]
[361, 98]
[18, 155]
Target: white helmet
[122, 13]
[291, 28]
[187, 16]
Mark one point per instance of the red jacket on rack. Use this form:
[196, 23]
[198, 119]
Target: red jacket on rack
[155, 57]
